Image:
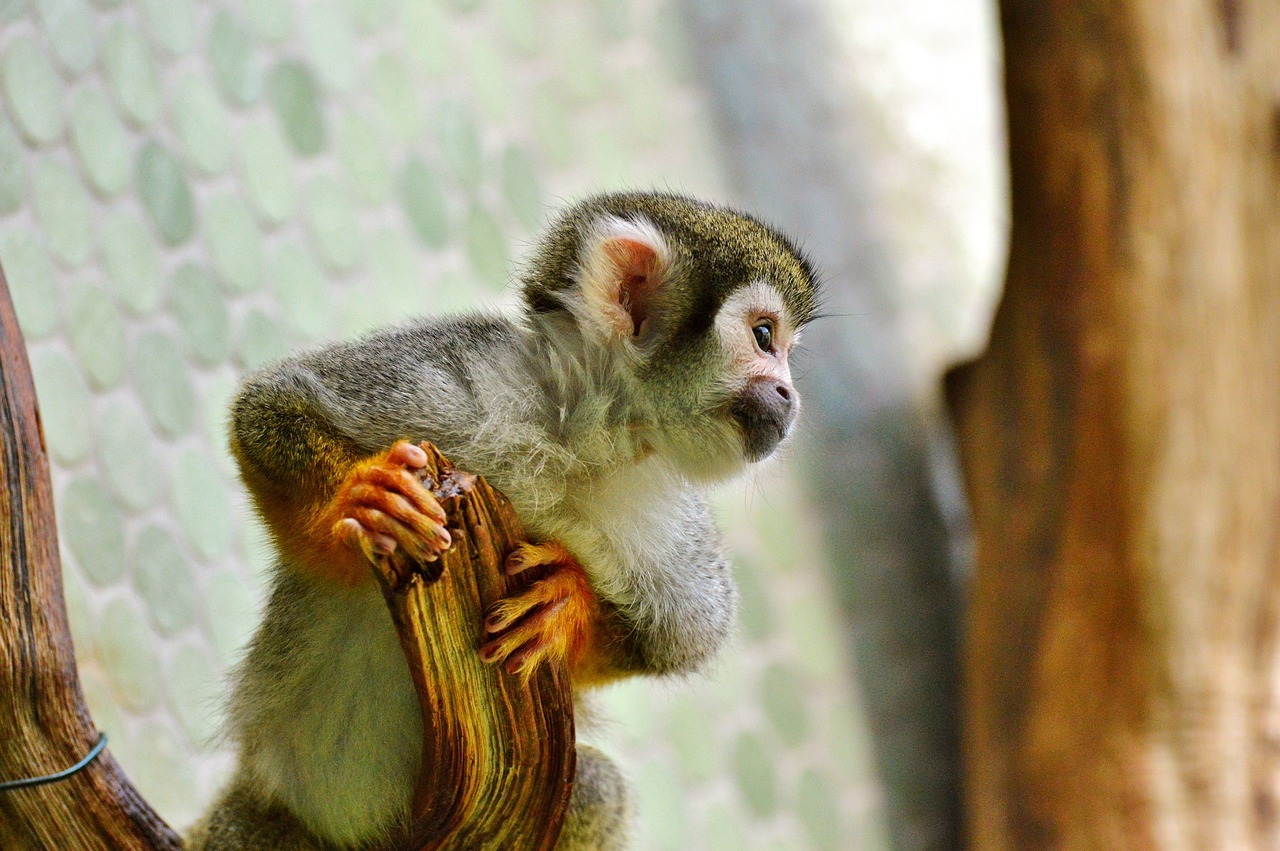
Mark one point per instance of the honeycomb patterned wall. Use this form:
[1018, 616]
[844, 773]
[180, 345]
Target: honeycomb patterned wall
[188, 190]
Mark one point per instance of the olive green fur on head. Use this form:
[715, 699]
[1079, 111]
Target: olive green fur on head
[722, 249]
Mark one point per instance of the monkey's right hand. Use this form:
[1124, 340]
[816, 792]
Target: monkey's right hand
[383, 509]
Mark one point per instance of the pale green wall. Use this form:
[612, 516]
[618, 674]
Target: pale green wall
[188, 190]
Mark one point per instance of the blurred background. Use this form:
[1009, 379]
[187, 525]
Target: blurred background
[190, 189]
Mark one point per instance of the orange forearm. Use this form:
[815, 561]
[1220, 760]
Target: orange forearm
[302, 519]
[379, 506]
[596, 652]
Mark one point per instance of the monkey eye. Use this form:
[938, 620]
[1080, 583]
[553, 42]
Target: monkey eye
[763, 332]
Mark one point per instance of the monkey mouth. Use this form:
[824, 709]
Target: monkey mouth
[762, 430]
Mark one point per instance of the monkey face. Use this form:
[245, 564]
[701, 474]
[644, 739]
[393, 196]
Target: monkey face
[754, 327]
[729, 399]
[764, 411]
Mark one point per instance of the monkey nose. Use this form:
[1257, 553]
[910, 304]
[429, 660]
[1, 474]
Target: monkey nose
[780, 397]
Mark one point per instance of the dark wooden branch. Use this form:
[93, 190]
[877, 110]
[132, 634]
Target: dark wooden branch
[498, 754]
[44, 725]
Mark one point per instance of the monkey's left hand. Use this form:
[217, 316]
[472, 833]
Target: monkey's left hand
[557, 617]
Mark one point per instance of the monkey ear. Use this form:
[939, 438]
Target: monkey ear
[625, 264]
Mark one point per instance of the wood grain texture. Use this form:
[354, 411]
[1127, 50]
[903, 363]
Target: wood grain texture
[498, 752]
[44, 725]
[1121, 437]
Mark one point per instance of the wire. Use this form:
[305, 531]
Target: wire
[28, 782]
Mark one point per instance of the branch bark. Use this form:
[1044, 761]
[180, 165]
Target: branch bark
[44, 725]
[1120, 437]
[498, 752]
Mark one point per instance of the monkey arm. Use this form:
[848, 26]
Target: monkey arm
[612, 607]
[681, 601]
[678, 637]
[620, 598]
[293, 462]
[315, 434]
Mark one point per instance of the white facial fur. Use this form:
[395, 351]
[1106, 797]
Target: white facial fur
[715, 451]
[741, 312]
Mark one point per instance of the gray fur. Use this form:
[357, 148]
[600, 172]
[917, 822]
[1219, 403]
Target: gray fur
[601, 806]
[244, 820]
[596, 446]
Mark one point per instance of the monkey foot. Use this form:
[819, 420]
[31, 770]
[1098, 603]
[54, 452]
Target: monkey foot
[548, 620]
[385, 510]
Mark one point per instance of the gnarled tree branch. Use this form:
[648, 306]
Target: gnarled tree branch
[498, 753]
[44, 725]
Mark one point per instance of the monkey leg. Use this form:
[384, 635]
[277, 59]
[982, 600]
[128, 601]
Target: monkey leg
[244, 821]
[599, 809]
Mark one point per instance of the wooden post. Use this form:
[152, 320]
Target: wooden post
[1121, 437]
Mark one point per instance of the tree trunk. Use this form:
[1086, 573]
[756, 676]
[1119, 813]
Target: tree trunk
[1121, 438]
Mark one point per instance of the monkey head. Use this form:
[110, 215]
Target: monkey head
[689, 313]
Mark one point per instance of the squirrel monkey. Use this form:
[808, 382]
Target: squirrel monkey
[649, 361]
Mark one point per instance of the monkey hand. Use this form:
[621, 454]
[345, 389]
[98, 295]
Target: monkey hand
[555, 618]
[383, 509]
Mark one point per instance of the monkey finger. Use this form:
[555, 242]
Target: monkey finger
[507, 612]
[422, 497]
[380, 523]
[401, 482]
[520, 653]
[409, 454]
[517, 561]
[401, 508]
[372, 544]
[511, 609]
[509, 646]
[526, 657]
[348, 530]
[499, 650]
[491, 652]
[527, 555]
[532, 623]
[433, 538]
[424, 540]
